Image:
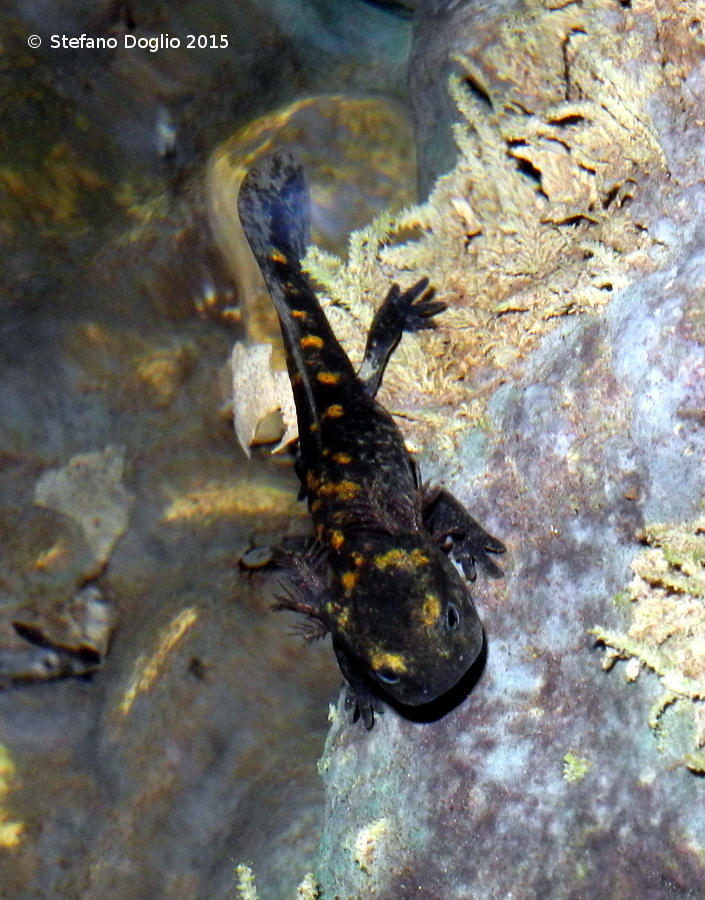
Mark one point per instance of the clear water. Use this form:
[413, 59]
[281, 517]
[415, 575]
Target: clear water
[179, 759]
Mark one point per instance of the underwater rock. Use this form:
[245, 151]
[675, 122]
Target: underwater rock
[52, 622]
[89, 489]
[257, 393]
[563, 390]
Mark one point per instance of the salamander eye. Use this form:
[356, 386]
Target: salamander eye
[387, 676]
[452, 617]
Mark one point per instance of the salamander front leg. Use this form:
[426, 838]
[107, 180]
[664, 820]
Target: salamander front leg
[397, 314]
[450, 523]
[360, 699]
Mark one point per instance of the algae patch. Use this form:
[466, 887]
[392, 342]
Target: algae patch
[147, 670]
[365, 849]
[246, 883]
[667, 634]
[575, 767]
[531, 225]
[10, 831]
[247, 890]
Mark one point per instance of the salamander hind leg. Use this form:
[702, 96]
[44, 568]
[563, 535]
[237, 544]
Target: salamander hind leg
[412, 310]
[449, 522]
[303, 589]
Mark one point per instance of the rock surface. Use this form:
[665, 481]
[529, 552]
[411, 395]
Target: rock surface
[546, 780]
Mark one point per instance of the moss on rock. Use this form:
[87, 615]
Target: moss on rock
[667, 634]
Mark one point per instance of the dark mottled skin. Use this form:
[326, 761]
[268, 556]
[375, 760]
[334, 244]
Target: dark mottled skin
[378, 578]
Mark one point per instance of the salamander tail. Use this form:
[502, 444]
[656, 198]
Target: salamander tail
[274, 208]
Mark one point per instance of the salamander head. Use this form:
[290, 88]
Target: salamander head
[410, 624]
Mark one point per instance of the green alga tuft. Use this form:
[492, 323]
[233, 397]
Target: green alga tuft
[247, 890]
[575, 767]
[531, 224]
[667, 634]
[246, 882]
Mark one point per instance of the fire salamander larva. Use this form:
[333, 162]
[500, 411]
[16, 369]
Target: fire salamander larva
[379, 577]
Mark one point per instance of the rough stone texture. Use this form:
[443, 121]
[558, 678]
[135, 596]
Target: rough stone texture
[441, 28]
[89, 490]
[546, 780]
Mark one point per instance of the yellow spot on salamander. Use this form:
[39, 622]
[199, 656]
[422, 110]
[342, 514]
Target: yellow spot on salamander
[277, 256]
[341, 614]
[431, 610]
[327, 377]
[348, 581]
[357, 558]
[400, 558]
[336, 539]
[298, 313]
[315, 505]
[311, 340]
[342, 458]
[341, 490]
[393, 661]
[335, 411]
[313, 427]
[347, 490]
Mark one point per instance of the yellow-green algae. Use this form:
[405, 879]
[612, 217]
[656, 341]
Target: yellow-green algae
[575, 767]
[246, 882]
[667, 634]
[531, 223]
[246, 889]
[10, 831]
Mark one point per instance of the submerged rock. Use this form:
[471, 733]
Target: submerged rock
[561, 396]
[90, 491]
[52, 622]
